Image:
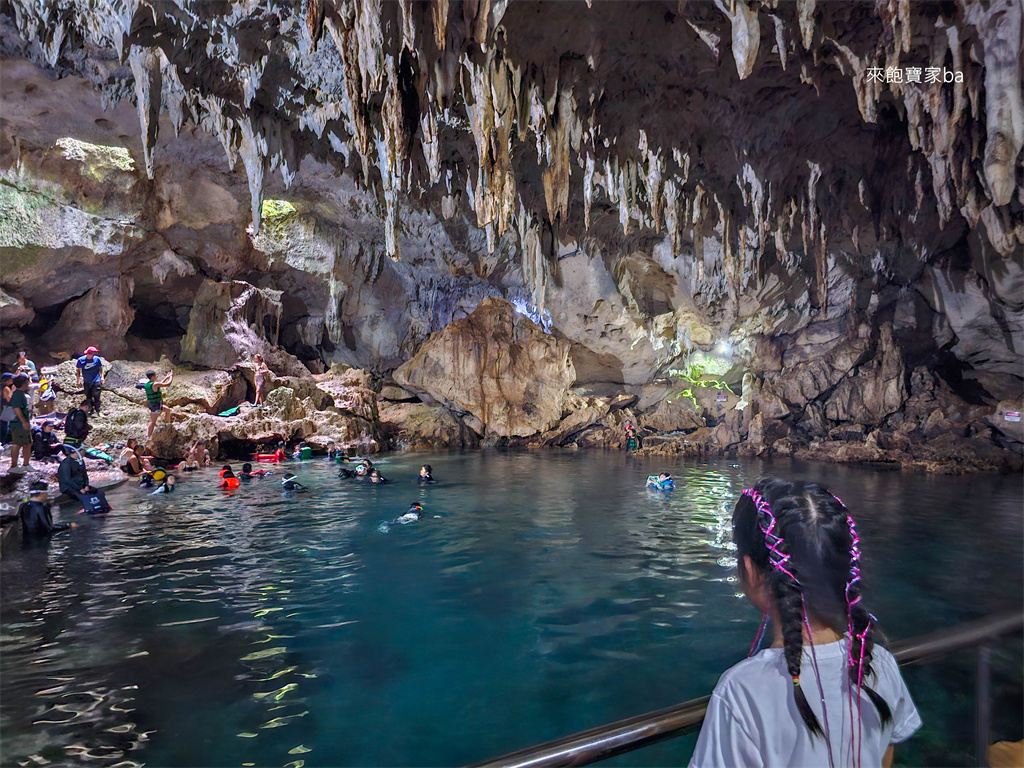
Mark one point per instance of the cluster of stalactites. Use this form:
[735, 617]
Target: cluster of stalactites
[413, 77]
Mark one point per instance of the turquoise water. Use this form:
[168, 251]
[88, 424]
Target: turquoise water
[543, 593]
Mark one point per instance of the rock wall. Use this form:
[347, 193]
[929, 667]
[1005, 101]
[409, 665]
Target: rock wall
[754, 186]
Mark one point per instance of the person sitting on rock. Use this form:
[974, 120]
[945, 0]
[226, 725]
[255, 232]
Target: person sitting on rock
[228, 481]
[138, 463]
[197, 457]
[45, 444]
[73, 480]
[76, 424]
[377, 478]
[662, 482]
[426, 475]
[36, 516]
[126, 454]
[291, 484]
[155, 398]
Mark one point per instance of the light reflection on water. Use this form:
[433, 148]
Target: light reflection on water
[544, 593]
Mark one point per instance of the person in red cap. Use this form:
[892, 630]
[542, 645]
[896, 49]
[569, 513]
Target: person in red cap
[89, 374]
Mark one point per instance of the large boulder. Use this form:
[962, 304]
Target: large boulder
[418, 426]
[497, 365]
[582, 412]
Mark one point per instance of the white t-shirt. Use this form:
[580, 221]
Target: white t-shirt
[752, 719]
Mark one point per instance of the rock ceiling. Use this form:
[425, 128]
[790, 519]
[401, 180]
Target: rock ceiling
[767, 124]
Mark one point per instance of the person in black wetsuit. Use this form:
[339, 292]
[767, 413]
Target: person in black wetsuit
[36, 519]
[377, 478]
[76, 424]
[73, 480]
[426, 476]
[45, 444]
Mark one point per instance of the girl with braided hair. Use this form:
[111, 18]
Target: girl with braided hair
[823, 693]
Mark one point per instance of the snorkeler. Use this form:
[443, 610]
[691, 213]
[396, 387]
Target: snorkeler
[364, 467]
[377, 478]
[662, 482]
[412, 514]
[291, 484]
[426, 475]
[36, 517]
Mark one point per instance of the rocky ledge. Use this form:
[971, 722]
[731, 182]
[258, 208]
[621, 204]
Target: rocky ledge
[497, 378]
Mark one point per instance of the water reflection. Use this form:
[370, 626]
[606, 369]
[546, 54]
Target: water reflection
[543, 593]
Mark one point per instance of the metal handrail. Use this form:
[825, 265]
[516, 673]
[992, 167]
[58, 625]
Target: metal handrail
[633, 733]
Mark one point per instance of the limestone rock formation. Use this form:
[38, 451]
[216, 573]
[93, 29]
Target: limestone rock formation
[418, 426]
[497, 365]
[757, 184]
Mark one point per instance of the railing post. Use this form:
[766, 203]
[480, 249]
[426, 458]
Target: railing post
[983, 704]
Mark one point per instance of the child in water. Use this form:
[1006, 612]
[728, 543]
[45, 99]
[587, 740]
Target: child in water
[168, 485]
[228, 480]
[377, 478]
[662, 482]
[426, 476]
[248, 473]
[364, 467]
[823, 693]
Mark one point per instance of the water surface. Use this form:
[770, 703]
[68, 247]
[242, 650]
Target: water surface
[543, 594]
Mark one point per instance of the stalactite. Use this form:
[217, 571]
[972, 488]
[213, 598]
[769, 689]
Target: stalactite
[146, 69]
[746, 35]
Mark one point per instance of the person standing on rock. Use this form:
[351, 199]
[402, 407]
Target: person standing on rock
[260, 379]
[76, 425]
[155, 398]
[90, 376]
[21, 429]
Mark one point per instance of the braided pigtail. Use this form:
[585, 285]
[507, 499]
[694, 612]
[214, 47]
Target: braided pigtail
[861, 644]
[788, 597]
[859, 629]
[789, 602]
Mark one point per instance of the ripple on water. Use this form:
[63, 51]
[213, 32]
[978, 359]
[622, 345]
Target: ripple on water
[544, 593]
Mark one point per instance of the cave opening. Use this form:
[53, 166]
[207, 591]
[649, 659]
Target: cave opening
[155, 321]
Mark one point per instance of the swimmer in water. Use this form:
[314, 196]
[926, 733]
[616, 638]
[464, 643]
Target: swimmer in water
[248, 473]
[426, 476]
[168, 485]
[291, 484]
[228, 480]
[412, 514]
[662, 482]
[377, 478]
[364, 467]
